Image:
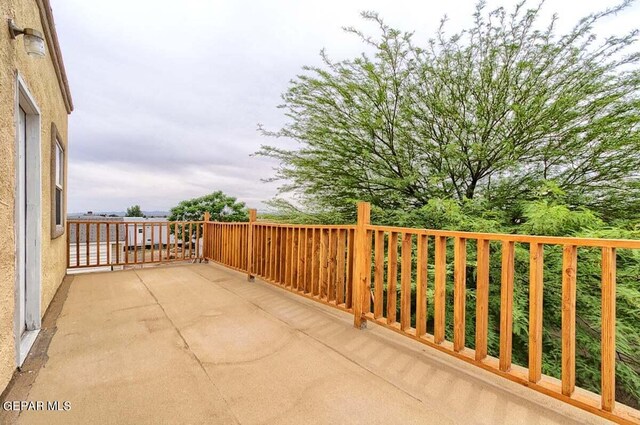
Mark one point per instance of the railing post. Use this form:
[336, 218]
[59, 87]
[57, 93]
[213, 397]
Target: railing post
[361, 274]
[252, 219]
[205, 236]
[608, 350]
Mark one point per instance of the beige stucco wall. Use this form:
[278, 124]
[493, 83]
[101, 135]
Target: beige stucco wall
[40, 77]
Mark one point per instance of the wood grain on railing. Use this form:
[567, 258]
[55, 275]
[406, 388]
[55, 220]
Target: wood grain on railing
[439, 300]
[459, 292]
[608, 372]
[506, 304]
[536, 267]
[421, 285]
[392, 279]
[482, 298]
[378, 275]
[569, 264]
[362, 271]
[405, 286]
[312, 260]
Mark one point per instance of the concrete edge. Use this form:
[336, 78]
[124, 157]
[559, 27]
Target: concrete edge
[24, 377]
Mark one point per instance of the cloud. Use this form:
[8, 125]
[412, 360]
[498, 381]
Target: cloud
[157, 190]
[168, 94]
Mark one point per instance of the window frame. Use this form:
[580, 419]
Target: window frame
[57, 141]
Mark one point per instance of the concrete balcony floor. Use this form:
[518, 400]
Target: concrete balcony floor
[198, 344]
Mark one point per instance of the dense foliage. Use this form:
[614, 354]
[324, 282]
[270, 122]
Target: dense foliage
[221, 207]
[506, 126]
[134, 211]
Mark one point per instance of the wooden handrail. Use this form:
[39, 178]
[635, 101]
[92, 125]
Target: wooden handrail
[509, 237]
[304, 226]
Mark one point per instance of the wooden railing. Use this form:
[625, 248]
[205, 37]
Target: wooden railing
[391, 275]
[416, 282]
[95, 243]
[414, 246]
[316, 261]
[227, 244]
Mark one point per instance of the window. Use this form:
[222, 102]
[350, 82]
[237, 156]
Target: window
[57, 183]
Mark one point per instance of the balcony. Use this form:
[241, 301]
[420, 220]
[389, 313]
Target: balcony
[200, 343]
[254, 323]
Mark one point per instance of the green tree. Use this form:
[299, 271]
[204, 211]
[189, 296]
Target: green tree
[492, 111]
[134, 211]
[220, 206]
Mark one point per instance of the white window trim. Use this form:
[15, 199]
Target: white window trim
[33, 216]
[57, 230]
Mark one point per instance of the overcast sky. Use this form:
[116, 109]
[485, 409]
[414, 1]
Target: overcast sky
[168, 94]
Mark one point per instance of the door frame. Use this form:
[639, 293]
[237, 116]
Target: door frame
[32, 237]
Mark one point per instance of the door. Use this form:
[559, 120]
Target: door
[28, 224]
[21, 239]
